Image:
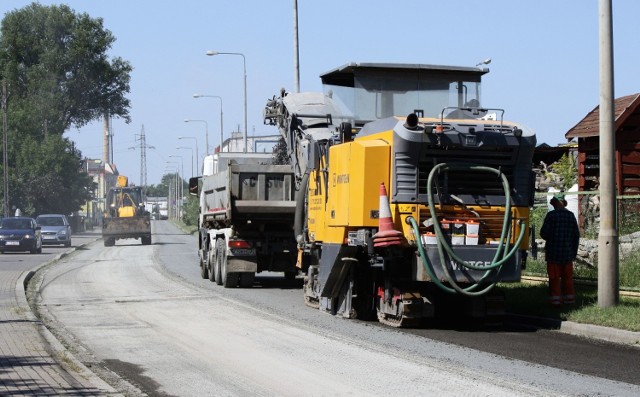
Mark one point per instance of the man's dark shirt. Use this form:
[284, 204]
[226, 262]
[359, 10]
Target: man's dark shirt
[560, 230]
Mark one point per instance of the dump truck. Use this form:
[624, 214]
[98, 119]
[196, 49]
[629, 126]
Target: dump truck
[413, 197]
[125, 215]
[246, 218]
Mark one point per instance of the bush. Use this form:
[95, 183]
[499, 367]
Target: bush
[191, 210]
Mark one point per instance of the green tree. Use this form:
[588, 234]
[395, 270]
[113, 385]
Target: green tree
[191, 211]
[280, 155]
[47, 177]
[567, 171]
[58, 71]
[55, 65]
[162, 189]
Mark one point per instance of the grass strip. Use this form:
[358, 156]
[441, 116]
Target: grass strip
[532, 300]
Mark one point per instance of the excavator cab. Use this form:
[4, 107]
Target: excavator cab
[125, 202]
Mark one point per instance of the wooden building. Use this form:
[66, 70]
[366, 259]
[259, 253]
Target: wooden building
[627, 143]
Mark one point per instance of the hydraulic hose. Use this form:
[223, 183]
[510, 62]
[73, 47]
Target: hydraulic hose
[506, 220]
[298, 220]
[429, 268]
[443, 246]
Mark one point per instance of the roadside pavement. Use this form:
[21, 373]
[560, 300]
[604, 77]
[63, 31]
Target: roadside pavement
[32, 360]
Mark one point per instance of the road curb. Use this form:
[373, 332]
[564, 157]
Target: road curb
[600, 332]
[57, 350]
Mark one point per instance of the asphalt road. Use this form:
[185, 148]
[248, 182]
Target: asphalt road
[144, 313]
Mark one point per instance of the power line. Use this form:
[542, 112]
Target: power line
[142, 138]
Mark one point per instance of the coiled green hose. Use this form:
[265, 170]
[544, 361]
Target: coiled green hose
[443, 245]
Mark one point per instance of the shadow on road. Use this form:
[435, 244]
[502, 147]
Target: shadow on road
[277, 283]
[168, 243]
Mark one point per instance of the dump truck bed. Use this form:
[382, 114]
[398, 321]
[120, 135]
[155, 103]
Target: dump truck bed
[250, 191]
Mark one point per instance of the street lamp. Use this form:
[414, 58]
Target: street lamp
[221, 125]
[181, 164]
[173, 204]
[188, 148]
[197, 157]
[181, 184]
[206, 131]
[244, 64]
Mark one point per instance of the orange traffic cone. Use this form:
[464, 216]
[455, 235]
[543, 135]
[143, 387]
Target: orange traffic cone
[387, 235]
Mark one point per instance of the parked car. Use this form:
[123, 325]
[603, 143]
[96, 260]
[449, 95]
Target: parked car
[56, 229]
[20, 233]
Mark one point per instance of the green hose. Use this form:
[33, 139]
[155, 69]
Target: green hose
[443, 245]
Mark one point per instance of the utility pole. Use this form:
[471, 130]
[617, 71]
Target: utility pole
[296, 48]
[608, 272]
[106, 141]
[111, 158]
[171, 186]
[143, 158]
[5, 160]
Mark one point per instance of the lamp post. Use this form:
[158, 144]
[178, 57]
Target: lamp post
[221, 123]
[171, 206]
[180, 188]
[244, 65]
[181, 174]
[188, 148]
[197, 157]
[206, 132]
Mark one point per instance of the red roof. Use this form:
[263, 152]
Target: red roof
[590, 125]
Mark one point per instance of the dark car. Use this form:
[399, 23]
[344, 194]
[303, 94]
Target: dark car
[56, 229]
[20, 233]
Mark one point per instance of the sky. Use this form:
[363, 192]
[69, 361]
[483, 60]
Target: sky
[544, 70]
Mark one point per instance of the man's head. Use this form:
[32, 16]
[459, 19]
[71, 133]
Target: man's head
[558, 200]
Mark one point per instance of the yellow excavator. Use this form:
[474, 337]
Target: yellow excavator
[125, 216]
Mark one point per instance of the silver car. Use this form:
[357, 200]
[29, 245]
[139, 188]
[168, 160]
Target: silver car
[55, 229]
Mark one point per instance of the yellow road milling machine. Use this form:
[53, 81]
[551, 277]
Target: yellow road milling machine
[412, 197]
[125, 216]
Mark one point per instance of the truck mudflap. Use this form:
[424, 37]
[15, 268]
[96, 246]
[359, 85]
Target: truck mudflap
[237, 264]
[133, 227]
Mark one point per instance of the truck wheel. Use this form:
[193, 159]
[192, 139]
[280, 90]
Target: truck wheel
[220, 252]
[203, 266]
[211, 264]
[146, 240]
[109, 242]
[230, 280]
[246, 280]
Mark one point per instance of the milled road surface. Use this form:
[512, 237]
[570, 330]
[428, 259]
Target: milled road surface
[143, 312]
